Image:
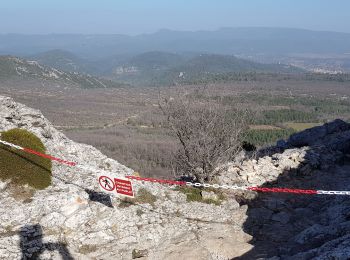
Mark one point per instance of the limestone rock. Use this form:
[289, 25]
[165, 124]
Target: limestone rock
[67, 219]
[209, 195]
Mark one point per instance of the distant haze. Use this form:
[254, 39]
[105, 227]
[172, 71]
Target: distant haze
[237, 41]
[148, 16]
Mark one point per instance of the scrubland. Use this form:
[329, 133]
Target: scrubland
[127, 124]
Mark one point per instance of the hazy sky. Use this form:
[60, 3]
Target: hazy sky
[146, 16]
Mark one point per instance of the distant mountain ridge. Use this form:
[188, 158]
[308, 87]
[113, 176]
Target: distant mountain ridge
[157, 67]
[214, 63]
[244, 40]
[156, 60]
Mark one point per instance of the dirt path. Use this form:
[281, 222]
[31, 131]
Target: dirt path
[95, 127]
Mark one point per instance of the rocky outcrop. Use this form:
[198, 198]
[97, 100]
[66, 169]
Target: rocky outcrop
[320, 147]
[70, 219]
[330, 134]
[298, 227]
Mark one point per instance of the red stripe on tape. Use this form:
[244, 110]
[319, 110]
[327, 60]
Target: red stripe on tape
[285, 190]
[49, 157]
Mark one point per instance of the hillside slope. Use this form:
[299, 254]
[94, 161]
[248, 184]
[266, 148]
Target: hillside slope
[64, 61]
[22, 72]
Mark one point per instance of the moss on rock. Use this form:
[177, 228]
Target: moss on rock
[20, 167]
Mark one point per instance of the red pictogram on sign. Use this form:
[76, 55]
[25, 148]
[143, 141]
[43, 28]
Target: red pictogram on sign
[106, 183]
[124, 187]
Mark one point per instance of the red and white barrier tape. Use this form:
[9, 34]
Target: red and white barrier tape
[235, 187]
[181, 183]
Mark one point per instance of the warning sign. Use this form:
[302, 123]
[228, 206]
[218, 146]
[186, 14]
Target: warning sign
[106, 183]
[121, 186]
[124, 187]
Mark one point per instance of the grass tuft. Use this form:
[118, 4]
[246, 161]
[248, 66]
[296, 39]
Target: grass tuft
[144, 196]
[194, 194]
[138, 253]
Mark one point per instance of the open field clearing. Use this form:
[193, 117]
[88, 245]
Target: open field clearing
[264, 127]
[301, 126]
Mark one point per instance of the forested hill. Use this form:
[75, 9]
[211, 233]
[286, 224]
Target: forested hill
[158, 68]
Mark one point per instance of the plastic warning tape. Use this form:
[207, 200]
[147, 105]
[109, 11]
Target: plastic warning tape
[27, 150]
[49, 157]
[12, 145]
[285, 190]
[181, 183]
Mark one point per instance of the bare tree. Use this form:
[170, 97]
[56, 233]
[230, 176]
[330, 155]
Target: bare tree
[208, 132]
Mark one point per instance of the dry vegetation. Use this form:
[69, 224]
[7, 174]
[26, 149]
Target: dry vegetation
[127, 125]
[208, 132]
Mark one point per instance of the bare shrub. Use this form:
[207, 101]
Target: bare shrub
[209, 133]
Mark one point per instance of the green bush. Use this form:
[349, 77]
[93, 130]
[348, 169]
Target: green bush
[20, 167]
[192, 194]
[286, 115]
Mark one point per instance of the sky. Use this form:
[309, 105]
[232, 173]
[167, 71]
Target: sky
[147, 16]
